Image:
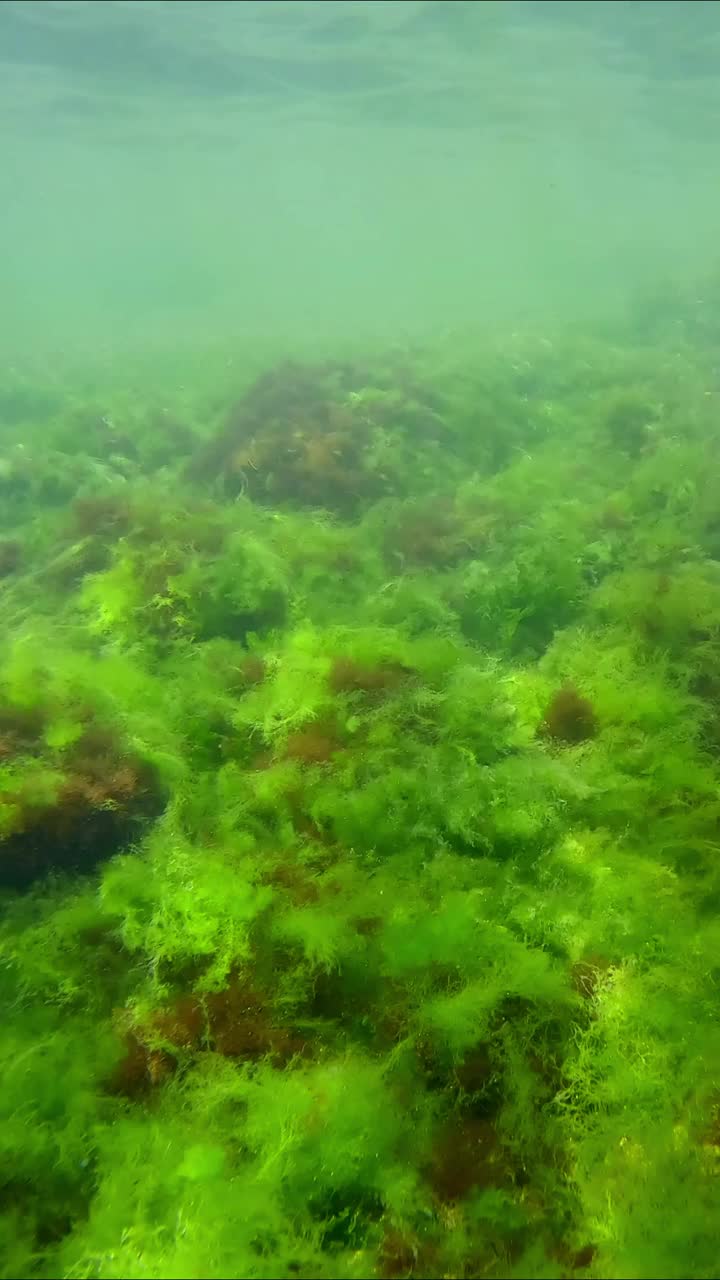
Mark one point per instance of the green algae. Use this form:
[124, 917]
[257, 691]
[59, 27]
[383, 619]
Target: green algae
[359, 812]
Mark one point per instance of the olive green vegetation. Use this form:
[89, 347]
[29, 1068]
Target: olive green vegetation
[360, 814]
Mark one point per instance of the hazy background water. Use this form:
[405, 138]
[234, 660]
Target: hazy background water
[287, 168]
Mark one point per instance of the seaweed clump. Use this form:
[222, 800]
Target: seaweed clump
[73, 788]
[68, 813]
[569, 717]
[317, 436]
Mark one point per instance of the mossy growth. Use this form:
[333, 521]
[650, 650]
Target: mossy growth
[358, 817]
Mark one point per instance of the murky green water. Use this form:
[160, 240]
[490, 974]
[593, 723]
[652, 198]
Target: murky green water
[361, 167]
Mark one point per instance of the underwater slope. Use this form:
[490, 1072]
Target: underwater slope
[359, 805]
